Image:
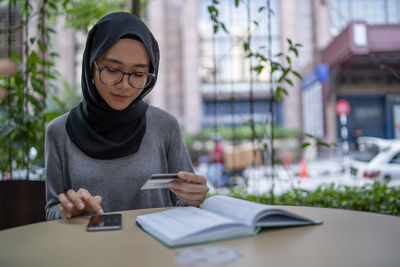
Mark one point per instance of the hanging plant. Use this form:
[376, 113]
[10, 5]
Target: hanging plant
[280, 70]
[23, 110]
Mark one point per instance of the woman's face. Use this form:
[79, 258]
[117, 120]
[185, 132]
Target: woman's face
[126, 55]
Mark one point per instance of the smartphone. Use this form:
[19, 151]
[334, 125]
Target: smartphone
[104, 222]
[160, 180]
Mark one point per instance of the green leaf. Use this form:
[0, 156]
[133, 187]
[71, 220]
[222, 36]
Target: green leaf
[289, 81]
[285, 72]
[265, 146]
[261, 57]
[279, 55]
[50, 30]
[236, 3]
[334, 144]
[223, 27]
[246, 46]
[289, 41]
[261, 9]
[321, 143]
[34, 57]
[297, 74]
[51, 115]
[309, 135]
[233, 98]
[288, 60]
[276, 66]
[212, 10]
[304, 145]
[215, 28]
[255, 23]
[54, 54]
[278, 94]
[386, 67]
[53, 5]
[295, 51]
[16, 56]
[258, 68]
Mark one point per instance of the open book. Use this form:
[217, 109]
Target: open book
[220, 217]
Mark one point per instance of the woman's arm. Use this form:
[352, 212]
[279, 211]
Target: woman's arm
[62, 201]
[192, 189]
[53, 168]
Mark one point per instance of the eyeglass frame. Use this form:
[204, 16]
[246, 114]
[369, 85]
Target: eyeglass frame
[100, 69]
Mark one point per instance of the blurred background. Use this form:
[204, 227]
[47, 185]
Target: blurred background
[269, 94]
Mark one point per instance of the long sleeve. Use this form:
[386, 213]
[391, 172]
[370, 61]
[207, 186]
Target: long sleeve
[54, 177]
[178, 158]
[117, 181]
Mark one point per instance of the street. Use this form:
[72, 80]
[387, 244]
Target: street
[319, 172]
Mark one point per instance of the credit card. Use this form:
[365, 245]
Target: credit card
[160, 180]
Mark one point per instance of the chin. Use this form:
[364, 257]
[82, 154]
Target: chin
[119, 107]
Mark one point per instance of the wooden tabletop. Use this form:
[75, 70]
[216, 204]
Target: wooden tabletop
[347, 238]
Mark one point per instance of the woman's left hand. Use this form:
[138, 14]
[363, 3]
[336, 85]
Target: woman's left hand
[191, 190]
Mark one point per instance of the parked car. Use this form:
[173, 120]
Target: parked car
[376, 159]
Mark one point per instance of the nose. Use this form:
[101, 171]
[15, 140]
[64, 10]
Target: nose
[124, 84]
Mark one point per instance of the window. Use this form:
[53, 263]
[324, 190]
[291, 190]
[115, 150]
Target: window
[231, 63]
[16, 33]
[372, 11]
[395, 159]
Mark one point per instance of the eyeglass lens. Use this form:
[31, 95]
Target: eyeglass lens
[137, 80]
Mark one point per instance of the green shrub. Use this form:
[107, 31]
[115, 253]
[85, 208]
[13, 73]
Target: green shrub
[239, 133]
[376, 197]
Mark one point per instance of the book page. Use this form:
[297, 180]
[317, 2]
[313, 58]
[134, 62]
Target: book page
[237, 209]
[180, 222]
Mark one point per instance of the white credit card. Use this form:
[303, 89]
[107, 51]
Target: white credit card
[160, 180]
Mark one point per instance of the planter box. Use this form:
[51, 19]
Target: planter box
[241, 156]
[21, 202]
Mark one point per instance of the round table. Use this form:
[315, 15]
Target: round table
[347, 238]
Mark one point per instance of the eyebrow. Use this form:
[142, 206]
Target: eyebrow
[121, 63]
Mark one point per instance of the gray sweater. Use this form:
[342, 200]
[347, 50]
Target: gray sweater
[117, 181]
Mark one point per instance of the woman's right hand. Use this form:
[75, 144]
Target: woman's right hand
[76, 203]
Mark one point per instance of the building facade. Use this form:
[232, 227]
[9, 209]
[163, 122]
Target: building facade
[216, 76]
[350, 51]
[363, 57]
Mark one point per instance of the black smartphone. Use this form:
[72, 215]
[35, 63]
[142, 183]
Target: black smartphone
[104, 222]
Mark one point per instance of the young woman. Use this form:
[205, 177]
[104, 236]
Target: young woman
[100, 154]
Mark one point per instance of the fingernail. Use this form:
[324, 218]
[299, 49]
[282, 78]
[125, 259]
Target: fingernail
[69, 205]
[100, 211]
[80, 205]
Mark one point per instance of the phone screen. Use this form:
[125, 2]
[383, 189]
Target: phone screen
[104, 222]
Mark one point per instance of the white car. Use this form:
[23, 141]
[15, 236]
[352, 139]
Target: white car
[376, 159]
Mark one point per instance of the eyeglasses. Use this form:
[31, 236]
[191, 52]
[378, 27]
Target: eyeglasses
[137, 80]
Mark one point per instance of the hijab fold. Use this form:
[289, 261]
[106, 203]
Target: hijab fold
[94, 127]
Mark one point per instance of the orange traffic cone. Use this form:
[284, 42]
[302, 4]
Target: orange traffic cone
[303, 169]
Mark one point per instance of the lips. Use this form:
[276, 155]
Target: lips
[120, 97]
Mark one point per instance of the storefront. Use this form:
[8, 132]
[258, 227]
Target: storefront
[364, 63]
[313, 101]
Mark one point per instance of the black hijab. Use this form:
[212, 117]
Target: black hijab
[98, 130]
